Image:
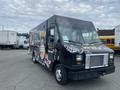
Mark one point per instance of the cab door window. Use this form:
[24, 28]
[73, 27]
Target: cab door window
[51, 38]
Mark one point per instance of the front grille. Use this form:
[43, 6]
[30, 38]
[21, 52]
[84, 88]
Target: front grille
[96, 60]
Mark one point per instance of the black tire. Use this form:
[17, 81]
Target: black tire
[64, 79]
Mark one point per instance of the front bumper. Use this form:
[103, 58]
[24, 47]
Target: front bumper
[90, 73]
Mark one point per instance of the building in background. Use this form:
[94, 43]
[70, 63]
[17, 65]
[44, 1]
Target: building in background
[107, 36]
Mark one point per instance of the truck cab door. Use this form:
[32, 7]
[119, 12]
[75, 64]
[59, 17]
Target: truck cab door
[51, 40]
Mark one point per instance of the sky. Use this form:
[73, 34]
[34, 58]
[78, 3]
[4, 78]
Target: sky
[23, 15]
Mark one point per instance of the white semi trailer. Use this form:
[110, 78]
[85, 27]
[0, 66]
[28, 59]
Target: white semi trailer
[8, 39]
[117, 36]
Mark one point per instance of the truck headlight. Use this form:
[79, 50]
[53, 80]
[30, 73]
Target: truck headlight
[111, 56]
[79, 59]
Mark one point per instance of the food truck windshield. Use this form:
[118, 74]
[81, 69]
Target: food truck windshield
[85, 34]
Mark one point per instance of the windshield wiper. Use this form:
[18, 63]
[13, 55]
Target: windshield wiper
[73, 41]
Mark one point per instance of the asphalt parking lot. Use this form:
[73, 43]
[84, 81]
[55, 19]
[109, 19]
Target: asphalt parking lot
[17, 72]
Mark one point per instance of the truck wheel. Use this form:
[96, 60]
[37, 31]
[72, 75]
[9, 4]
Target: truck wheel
[60, 74]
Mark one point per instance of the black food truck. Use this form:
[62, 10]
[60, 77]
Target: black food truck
[71, 49]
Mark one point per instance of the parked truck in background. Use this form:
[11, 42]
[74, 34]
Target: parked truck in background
[8, 39]
[23, 42]
[117, 36]
[71, 49]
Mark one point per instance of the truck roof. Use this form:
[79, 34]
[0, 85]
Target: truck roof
[71, 19]
[62, 20]
[7, 31]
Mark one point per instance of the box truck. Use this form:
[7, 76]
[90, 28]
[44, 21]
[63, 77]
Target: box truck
[8, 39]
[70, 48]
[117, 36]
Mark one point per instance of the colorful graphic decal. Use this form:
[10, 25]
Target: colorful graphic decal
[42, 44]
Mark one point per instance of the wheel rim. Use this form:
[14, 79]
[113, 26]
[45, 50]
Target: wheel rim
[58, 74]
[37, 58]
[33, 58]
